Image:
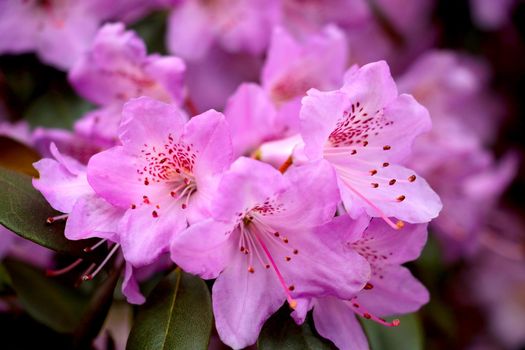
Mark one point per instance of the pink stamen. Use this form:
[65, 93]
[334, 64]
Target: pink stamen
[53, 273]
[52, 219]
[396, 226]
[88, 276]
[95, 246]
[358, 309]
[291, 301]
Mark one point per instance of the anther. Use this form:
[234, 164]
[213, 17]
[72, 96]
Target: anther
[291, 288]
[385, 164]
[412, 178]
[386, 148]
[401, 198]
[295, 251]
[374, 185]
[368, 286]
[392, 182]
[52, 219]
[373, 172]
[251, 269]
[400, 224]
[288, 258]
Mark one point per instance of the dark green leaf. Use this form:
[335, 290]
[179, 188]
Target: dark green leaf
[177, 315]
[17, 156]
[281, 332]
[407, 336]
[46, 300]
[24, 211]
[97, 310]
[56, 109]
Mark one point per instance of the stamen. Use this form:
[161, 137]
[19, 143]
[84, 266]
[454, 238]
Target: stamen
[358, 309]
[291, 301]
[53, 273]
[52, 219]
[287, 163]
[95, 246]
[395, 226]
[87, 276]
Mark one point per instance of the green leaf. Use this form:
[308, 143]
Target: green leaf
[281, 332]
[24, 211]
[407, 336]
[177, 315]
[97, 310]
[46, 300]
[17, 156]
[56, 109]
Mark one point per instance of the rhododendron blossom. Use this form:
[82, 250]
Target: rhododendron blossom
[261, 244]
[116, 69]
[365, 130]
[63, 182]
[163, 175]
[391, 290]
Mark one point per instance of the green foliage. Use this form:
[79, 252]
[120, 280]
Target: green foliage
[46, 300]
[24, 211]
[281, 332]
[407, 336]
[177, 315]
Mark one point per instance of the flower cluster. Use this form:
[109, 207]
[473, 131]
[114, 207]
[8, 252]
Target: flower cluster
[269, 148]
[326, 231]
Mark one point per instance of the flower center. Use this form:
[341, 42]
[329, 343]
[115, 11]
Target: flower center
[171, 165]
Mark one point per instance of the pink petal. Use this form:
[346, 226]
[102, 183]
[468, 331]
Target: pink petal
[319, 115]
[243, 301]
[130, 287]
[113, 176]
[336, 321]
[148, 121]
[247, 184]
[204, 249]
[146, 232]
[251, 116]
[397, 292]
[92, 216]
[59, 186]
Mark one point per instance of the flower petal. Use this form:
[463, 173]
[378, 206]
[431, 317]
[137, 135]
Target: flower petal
[91, 217]
[204, 249]
[336, 321]
[243, 301]
[148, 121]
[395, 291]
[130, 287]
[247, 184]
[146, 232]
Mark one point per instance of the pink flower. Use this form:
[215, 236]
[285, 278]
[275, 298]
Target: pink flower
[117, 68]
[490, 14]
[63, 182]
[260, 244]
[452, 156]
[292, 67]
[392, 290]
[238, 26]
[364, 130]
[455, 90]
[74, 145]
[252, 118]
[58, 31]
[163, 175]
